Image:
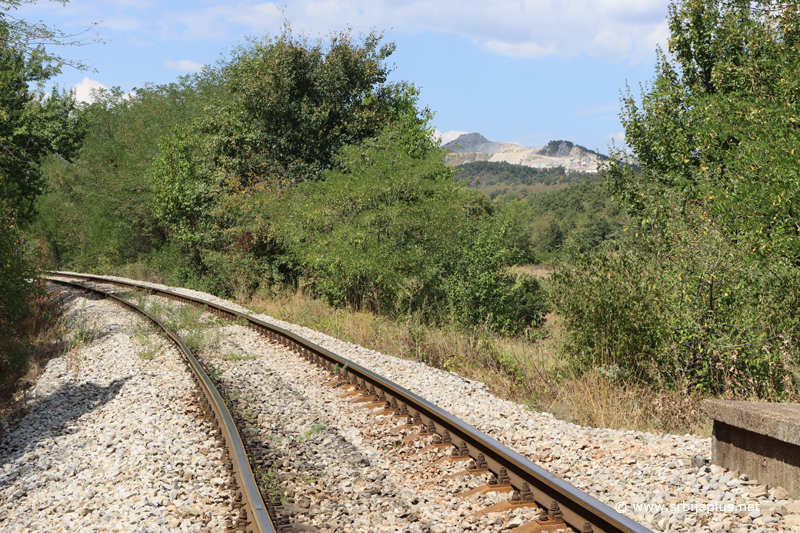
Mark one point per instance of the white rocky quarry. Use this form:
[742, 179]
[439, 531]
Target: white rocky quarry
[471, 147]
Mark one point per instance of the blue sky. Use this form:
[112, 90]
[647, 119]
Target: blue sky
[524, 71]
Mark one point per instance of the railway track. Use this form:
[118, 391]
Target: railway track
[560, 504]
[251, 513]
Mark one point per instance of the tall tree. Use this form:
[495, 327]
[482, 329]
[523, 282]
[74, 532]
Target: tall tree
[705, 290]
[31, 125]
[720, 124]
[291, 105]
[299, 101]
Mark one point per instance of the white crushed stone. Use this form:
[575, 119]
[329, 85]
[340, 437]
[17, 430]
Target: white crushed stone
[109, 441]
[620, 468]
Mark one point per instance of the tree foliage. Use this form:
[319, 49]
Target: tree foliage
[375, 231]
[392, 232]
[483, 174]
[720, 125]
[290, 106]
[297, 102]
[97, 209]
[31, 127]
[703, 292]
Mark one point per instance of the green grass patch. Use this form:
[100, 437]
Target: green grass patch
[233, 356]
[315, 429]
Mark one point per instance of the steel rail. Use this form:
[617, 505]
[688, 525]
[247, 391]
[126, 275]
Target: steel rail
[257, 516]
[578, 508]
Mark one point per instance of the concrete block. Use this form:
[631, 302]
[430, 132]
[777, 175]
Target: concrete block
[761, 440]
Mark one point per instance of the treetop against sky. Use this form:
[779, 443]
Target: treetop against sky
[524, 72]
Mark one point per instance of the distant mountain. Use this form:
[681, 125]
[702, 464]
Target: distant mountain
[475, 142]
[475, 147]
[564, 148]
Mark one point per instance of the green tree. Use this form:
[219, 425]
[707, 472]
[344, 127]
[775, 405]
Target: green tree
[553, 237]
[297, 102]
[14, 289]
[392, 232]
[482, 289]
[290, 106]
[31, 126]
[97, 210]
[720, 125]
[703, 292]
[374, 234]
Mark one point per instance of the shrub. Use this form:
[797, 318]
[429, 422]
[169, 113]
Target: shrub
[15, 288]
[686, 306]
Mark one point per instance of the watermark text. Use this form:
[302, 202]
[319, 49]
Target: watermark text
[687, 507]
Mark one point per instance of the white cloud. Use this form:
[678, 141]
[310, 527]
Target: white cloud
[121, 23]
[220, 21]
[86, 91]
[658, 37]
[184, 65]
[83, 90]
[616, 30]
[607, 29]
[617, 138]
[448, 136]
[527, 50]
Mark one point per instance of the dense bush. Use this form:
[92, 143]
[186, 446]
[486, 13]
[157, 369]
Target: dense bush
[393, 233]
[97, 211]
[705, 290]
[584, 214]
[686, 308]
[482, 289]
[293, 164]
[15, 288]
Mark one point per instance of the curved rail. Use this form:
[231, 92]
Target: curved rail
[253, 515]
[580, 510]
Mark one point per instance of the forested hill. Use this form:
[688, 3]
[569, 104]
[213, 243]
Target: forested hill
[560, 205]
[517, 181]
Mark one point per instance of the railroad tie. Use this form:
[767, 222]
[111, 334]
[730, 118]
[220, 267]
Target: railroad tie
[495, 483]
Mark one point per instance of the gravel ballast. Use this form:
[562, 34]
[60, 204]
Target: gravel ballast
[110, 441]
[350, 473]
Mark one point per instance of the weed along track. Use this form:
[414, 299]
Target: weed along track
[335, 446]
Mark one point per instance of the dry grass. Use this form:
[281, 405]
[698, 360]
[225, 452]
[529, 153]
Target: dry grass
[41, 335]
[518, 369]
[535, 271]
[593, 400]
[141, 271]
